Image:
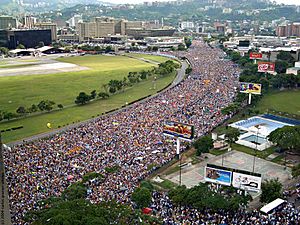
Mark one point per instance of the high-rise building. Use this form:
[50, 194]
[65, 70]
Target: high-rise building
[50, 26]
[104, 26]
[74, 21]
[29, 38]
[86, 30]
[29, 21]
[291, 29]
[7, 22]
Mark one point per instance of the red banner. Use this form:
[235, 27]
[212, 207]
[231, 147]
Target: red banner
[255, 55]
[266, 67]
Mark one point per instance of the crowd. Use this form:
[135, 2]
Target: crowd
[162, 207]
[130, 139]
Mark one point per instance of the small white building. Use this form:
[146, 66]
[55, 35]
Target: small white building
[294, 70]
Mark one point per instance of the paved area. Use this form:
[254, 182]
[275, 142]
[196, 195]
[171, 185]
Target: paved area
[194, 174]
[42, 67]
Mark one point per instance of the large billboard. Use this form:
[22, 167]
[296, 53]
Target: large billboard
[250, 88]
[246, 182]
[265, 67]
[255, 55]
[178, 130]
[219, 176]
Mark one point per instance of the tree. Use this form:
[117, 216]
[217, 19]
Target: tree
[281, 66]
[296, 170]
[203, 145]
[285, 56]
[33, 108]
[187, 41]
[46, 105]
[287, 137]
[270, 190]
[155, 48]
[188, 70]
[60, 106]
[20, 46]
[232, 134]
[143, 75]
[41, 44]
[75, 191]
[8, 115]
[112, 90]
[108, 49]
[93, 94]
[3, 51]
[231, 109]
[141, 197]
[21, 110]
[181, 47]
[82, 98]
[103, 95]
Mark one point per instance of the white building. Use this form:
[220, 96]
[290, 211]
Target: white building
[186, 25]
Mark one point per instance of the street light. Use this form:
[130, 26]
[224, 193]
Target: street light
[257, 127]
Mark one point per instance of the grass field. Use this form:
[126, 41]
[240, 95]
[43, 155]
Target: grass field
[63, 88]
[154, 58]
[284, 101]
[12, 66]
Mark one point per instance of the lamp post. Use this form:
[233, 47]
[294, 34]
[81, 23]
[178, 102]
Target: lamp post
[257, 127]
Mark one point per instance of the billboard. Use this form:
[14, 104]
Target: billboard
[219, 176]
[178, 130]
[246, 182]
[250, 88]
[266, 67]
[255, 55]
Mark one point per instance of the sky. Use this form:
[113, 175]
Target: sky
[296, 2]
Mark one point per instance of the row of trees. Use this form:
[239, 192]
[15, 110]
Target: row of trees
[43, 106]
[202, 197]
[114, 86]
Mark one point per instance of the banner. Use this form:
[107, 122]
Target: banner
[178, 130]
[250, 88]
[246, 182]
[215, 175]
[255, 55]
[265, 67]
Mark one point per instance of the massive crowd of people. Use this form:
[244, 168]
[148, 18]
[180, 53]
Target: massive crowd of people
[162, 207]
[130, 139]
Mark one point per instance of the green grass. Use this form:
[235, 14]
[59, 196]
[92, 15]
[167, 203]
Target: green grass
[62, 88]
[284, 101]
[37, 124]
[13, 66]
[278, 159]
[154, 58]
[166, 185]
[217, 152]
[261, 154]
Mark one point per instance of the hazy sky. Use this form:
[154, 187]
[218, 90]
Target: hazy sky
[296, 2]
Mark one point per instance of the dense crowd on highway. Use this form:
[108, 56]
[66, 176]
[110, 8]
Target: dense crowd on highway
[130, 140]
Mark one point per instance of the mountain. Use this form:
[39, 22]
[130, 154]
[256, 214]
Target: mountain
[38, 6]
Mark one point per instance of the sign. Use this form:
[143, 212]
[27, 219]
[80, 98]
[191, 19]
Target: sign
[246, 182]
[250, 88]
[265, 67]
[219, 176]
[178, 130]
[255, 55]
